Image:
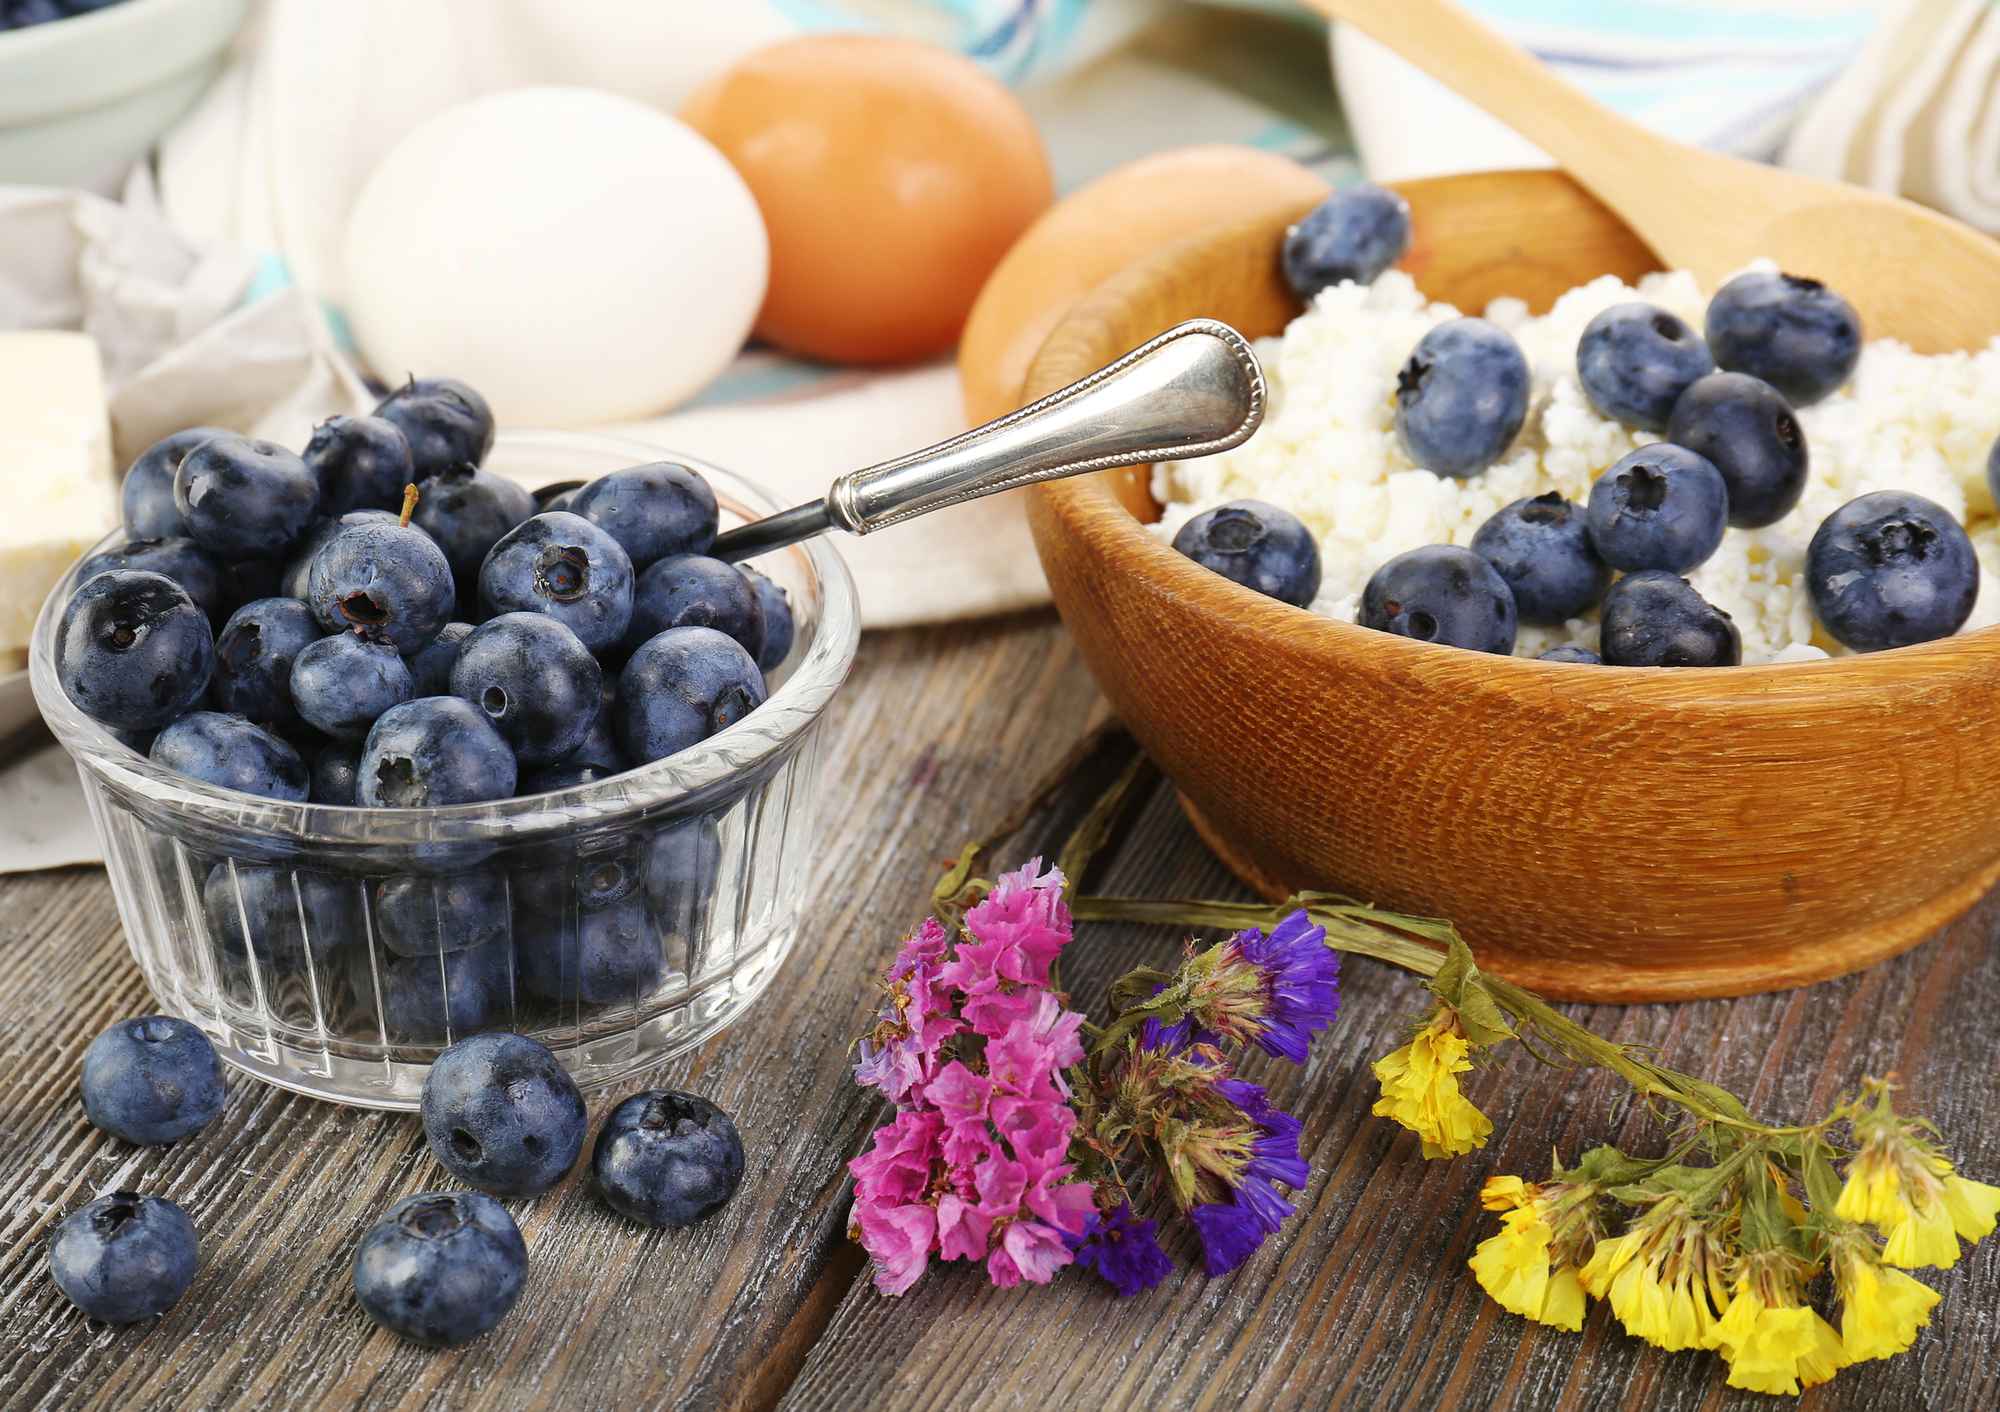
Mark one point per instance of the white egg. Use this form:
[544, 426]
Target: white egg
[576, 256]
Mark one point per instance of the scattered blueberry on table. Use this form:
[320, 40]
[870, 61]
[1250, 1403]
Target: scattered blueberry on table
[666, 1158]
[502, 1114]
[124, 1257]
[1354, 234]
[441, 1268]
[152, 1080]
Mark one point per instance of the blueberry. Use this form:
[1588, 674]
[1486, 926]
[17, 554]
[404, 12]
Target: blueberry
[683, 861]
[124, 1257]
[1656, 619]
[333, 773]
[390, 581]
[296, 579]
[556, 495]
[1661, 507]
[1542, 550]
[1747, 431]
[287, 920]
[181, 560]
[247, 580]
[441, 1268]
[1257, 545]
[133, 651]
[253, 660]
[562, 565]
[1582, 656]
[501, 1114]
[667, 1159]
[148, 495]
[430, 998]
[593, 877]
[362, 463]
[692, 590]
[446, 423]
[431, 664]
[1634, 361]
[1993, 471]
[1890, 569]
[1441, 593]
[1795, 334]
[420, 915]
[342, 684]
[245, 499]
[682, 687]
[1354, 234]
[230, 752]
[778, 629]
[593, 956]
[534, 681]
[433, 751]
[600, 745]
[1461, 397]
[151, 1080]
[467, 510]
[652, 511]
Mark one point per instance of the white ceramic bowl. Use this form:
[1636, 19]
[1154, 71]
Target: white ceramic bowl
[81, 99]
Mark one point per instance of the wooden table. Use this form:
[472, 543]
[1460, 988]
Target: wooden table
[1364, 1301]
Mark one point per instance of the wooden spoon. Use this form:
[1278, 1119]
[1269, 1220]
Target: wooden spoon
[1913, 274]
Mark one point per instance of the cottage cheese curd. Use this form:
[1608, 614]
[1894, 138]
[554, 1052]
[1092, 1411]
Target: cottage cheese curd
[1328, 453]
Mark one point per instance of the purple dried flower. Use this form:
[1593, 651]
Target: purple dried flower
[1302, 978]
[1122, 1249]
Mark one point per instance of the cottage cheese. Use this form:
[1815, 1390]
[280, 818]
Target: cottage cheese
[1328, 453]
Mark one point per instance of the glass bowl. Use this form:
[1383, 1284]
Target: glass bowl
[335, 951]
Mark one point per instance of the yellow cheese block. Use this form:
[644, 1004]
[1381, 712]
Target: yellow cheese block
[57, 492]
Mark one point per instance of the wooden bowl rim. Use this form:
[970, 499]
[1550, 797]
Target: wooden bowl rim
[1092, 515]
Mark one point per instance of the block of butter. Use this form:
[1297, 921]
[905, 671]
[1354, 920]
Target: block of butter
[58, 495]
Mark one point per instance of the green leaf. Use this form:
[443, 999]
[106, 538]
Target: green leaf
[1822, 1182]
[1460, 985]
[1136, 987]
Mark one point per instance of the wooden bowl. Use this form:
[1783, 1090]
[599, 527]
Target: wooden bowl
[1606, 833]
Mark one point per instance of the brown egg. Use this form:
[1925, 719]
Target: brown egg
[1097, 231]
[892, 176]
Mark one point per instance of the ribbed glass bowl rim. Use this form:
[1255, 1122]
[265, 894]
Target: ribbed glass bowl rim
[708, 770]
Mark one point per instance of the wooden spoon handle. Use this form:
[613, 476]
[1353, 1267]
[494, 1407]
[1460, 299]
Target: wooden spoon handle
[1611, 155]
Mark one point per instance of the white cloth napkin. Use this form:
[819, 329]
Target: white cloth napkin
[1917, 112]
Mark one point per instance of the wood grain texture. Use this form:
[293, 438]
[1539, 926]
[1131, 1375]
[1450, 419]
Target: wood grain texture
[1609, 834]
[1911, 271]
[1363, 1301]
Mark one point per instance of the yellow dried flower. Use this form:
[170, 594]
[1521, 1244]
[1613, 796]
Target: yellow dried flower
[1528, 1267]
[1880, 1309]
[1771, 1340]
[1420, 1088]
[1663, 1277]
[1903, 1186]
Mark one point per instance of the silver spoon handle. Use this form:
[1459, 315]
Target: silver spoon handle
[1193, 391]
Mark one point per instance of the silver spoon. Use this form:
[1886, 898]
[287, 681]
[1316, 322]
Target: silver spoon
[1193, 391]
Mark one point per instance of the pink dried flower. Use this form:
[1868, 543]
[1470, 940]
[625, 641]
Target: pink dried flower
[899, 1239]
[1029, 1251]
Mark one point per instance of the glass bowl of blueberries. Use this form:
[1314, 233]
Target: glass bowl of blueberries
[385, 748]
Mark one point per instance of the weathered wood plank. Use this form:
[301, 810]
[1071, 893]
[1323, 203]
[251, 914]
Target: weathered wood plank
[1365, 1301]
